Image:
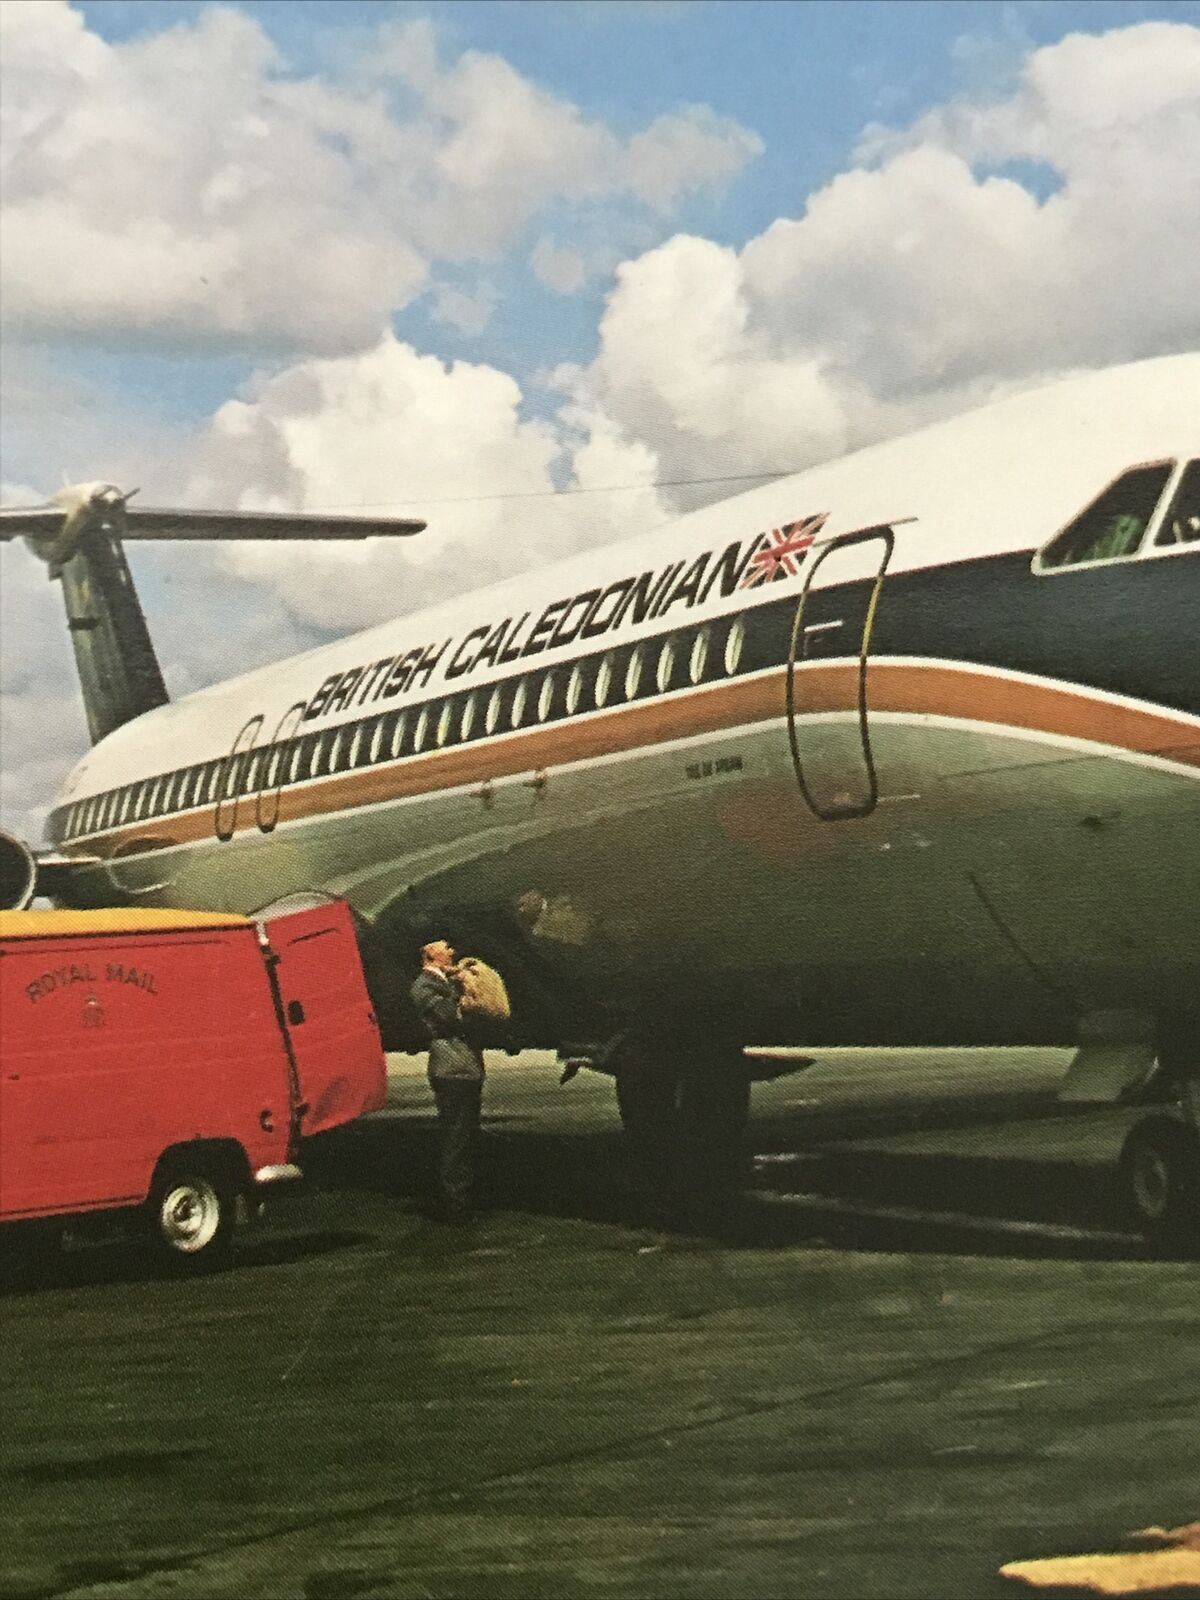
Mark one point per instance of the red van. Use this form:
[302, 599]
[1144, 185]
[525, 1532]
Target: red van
[171, 1061]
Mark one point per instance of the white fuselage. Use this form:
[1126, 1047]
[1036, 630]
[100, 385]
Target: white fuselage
[1002, 837]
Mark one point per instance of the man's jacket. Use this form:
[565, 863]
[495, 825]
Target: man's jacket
[450, 1055]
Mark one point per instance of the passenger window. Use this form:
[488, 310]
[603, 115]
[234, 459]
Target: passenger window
[1113, 525]
[546, 697]
[339, 756]
[666, 665]
[603, 686]
[574, 690]
[699, 657]
[421, 729]
[383, 728]
[520, 694]
[492, 719]
[444, 723]
[356, 739]
[735, 641]
[398, 734]
[633, 672]
[254, 771]
[1181, 525]
[470, 705]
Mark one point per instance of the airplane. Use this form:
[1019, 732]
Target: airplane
[902, 749]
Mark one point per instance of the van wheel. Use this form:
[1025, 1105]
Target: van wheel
[192, 1217]
[1160, 1173]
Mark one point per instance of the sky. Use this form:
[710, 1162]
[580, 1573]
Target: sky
[427, 256]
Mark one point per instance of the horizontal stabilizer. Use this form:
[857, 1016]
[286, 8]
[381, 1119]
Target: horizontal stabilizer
[171, 522]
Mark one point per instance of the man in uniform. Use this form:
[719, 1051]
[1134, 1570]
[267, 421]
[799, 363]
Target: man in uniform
[455, 1076]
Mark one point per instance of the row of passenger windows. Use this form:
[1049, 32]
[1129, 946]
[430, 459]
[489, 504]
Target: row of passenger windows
[632, 672]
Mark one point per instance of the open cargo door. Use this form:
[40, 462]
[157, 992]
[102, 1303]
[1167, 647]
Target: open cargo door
[328, 1016]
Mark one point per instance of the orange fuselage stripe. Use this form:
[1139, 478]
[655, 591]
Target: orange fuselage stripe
[964, 693]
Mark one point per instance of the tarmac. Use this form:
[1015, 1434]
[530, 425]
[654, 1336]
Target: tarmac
[921, 1345]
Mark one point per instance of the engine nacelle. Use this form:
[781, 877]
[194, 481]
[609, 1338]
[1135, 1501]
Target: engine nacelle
[18, 873]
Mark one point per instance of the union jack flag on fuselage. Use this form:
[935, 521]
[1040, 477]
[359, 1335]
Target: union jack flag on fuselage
[782, 553]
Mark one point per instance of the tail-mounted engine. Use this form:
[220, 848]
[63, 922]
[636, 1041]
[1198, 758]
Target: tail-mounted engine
[18, 873]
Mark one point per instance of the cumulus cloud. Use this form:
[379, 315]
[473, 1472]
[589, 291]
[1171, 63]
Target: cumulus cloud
[392, 428]
[183, 188]
[685, 151]
[458, 308]
[558, 267]
[926, 277]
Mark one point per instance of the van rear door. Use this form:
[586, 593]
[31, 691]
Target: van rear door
[328, 1015]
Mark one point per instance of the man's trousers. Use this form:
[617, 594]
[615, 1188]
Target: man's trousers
[458, 1106]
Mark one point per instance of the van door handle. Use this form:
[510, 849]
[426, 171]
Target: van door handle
[295, 1011]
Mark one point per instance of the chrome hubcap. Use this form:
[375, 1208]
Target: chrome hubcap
[190, 1215]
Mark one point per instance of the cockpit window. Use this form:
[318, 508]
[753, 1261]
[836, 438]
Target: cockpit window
[1115, 523]
[1181, 525]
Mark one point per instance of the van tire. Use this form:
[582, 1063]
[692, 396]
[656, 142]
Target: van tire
[1160, 1175]
[192, 1215]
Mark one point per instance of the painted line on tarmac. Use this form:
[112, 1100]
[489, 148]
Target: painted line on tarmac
[1008, 1226]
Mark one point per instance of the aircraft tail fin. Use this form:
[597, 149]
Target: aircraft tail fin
[80, 536]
